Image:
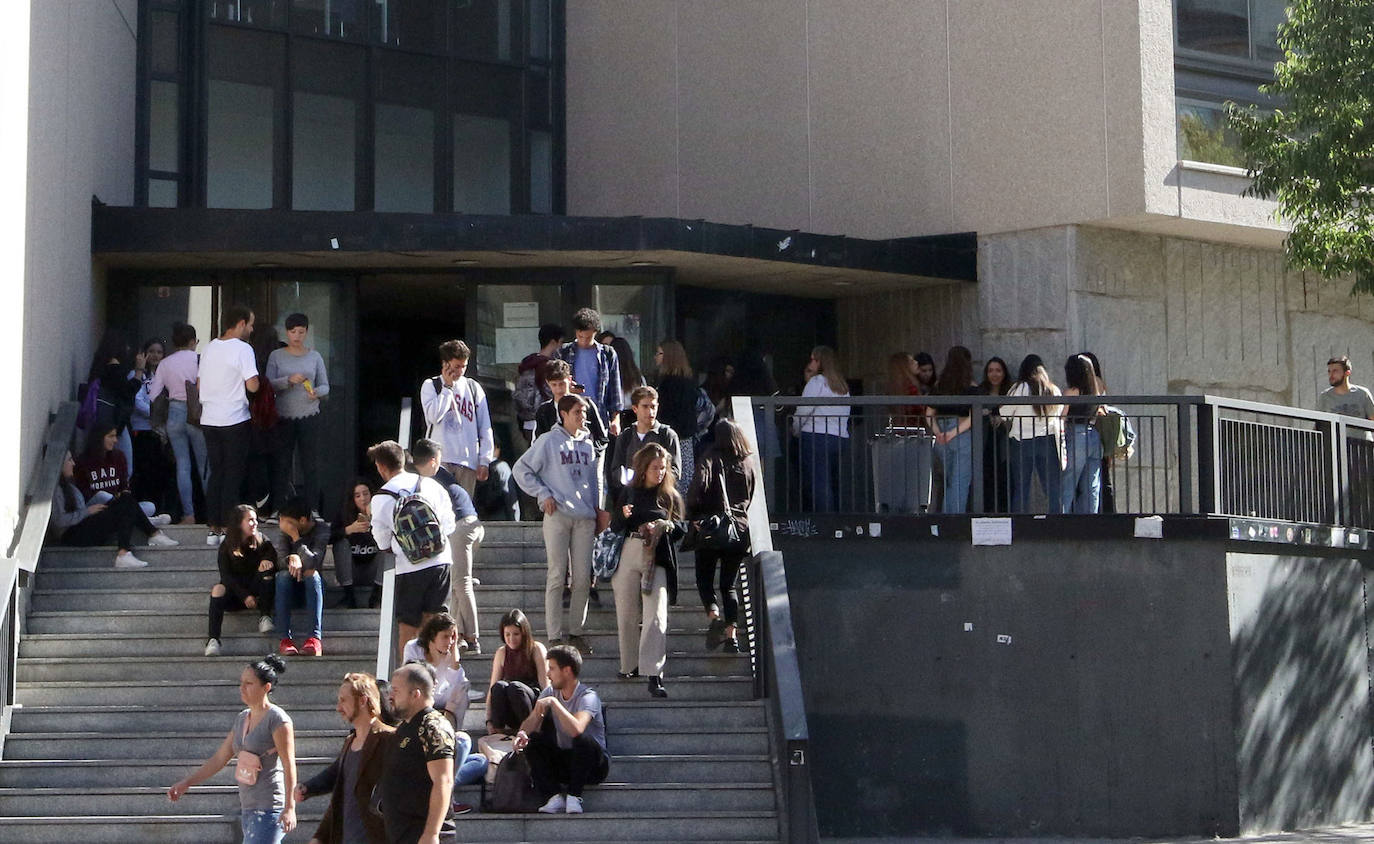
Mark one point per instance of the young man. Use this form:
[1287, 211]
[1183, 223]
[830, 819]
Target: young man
[564, 738]
[531, 388]
[427, 455]
[421, 585]
[417, 780]
[558, 374]
[1343, 397]
[301, 546]
[350, 815]
[227, 369]
[456, 409]
[595, 366]
[647, 429]
[560, 471]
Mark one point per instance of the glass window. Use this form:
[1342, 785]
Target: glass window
[271, 13]
[411, 24]
[506, 326]
[481, 164]
[482, 29]
[162, 193]
[1266, 15]
[334, 18]
[639, 313]
[541, 172]
[1214, 26]
[322, 152]
[163, 43]
[239, 149]
[404, 158]
[540, 29]
[164, 128]
[1204, 135]
[540, 98]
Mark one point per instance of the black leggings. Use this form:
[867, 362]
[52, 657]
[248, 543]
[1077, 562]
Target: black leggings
[511, 702]
[119, 519]
[707, 560]
[263, 590]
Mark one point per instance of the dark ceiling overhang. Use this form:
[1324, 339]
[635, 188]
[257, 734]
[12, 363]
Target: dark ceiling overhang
[699, 252]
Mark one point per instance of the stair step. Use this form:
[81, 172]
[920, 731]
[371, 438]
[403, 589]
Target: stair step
[495, 532]
[593, 826]
[200, 557]
[356, 643]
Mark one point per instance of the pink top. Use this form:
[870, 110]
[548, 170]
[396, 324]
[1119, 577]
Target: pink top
[173, 373]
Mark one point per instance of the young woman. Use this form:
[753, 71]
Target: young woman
[112, 366]
[102, 473]
[901, 381]
[1081, 484]
[677, 401]
[630, 377]
[952, 442]
[1107, 497]
[247, 576]
[356, 555]
[822, 431]
[519, 672]
[299, 379]
[178, 369]
[150, 481]
[726, 465]
[649, 512]
[1037, 449]
[996, 473]
[264, 730]
[436, 646]
[76, 522]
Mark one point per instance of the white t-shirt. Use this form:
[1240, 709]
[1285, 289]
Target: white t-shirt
[1024, 422]
[451, 685]
[224, 366]
[832, 420]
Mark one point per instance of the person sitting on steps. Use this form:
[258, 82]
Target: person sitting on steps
[77, 523]
[247, 576]
[518, 673]
[301, 548]
[564, 737]
[357, 559]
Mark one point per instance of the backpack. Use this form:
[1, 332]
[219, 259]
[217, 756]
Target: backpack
[527, 396]
[415, 525]
[85, 417]
[512, 790]
[263, 407]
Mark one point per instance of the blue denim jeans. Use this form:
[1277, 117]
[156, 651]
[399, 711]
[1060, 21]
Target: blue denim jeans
[470, 767]
[820, 458]
[1082, 482]
[261, 826]
[186, 440]
[289, 593]
[956, 457]
[1036, 457]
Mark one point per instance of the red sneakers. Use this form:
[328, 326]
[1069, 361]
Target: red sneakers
[287, 648]
[312, 647]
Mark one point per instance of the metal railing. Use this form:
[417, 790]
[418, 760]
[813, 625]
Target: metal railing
[1192, 455]
[19, 564]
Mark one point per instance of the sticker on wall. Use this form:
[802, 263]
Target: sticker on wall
[991, 531]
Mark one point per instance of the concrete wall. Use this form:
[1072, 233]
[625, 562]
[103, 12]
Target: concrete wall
[80, 142]
[1164, 314]
[881, 118]
[1143, 688]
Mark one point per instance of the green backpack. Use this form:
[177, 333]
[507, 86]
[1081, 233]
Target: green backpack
[1113, 429]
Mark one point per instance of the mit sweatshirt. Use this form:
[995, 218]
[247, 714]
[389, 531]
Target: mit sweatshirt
[458, 420]
[563, 467]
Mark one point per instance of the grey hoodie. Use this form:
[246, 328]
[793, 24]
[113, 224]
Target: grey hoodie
[562, 467]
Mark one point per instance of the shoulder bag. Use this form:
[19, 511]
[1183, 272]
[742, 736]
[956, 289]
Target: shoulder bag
[718, 532]
[249, 764]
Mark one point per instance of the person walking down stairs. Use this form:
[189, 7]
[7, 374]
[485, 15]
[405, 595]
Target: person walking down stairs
[77, 523]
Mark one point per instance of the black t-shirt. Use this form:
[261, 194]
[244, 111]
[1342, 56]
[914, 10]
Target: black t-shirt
[361, 546]
[405, 784]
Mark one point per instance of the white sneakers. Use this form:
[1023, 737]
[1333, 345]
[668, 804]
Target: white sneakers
[127, 560]
[160, 519]
[212, 647]
[265, 624]
[562, 803]
[161, 540]
[214, 539]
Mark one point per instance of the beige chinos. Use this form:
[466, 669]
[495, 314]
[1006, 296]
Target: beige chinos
[646, 647]
[567, 538]
[462, 597]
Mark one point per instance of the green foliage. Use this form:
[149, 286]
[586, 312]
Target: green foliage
[1315, 155]
[1203, 143]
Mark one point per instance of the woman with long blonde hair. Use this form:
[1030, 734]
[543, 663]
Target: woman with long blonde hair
[649, 512]
[822, 430]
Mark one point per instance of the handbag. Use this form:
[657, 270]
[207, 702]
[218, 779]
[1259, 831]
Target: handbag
[513, 788]
[606, 552]
[192, 403]
[157, 412]
[718, 532]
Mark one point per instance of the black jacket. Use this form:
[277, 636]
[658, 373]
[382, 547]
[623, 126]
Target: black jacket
[647, 509]
[546, 419]
[628, 443]
[704, 498]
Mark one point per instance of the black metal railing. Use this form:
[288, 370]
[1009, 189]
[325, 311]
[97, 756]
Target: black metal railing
[1192, 455]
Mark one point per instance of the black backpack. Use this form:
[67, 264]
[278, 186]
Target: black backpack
[415, 525]
[513, 789]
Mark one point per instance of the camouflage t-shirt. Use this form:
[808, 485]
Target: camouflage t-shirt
[405, 785]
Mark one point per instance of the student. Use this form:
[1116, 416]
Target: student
[1037, 446]
[558, 375]
[149, 483]
[456, 410]
[518, 674]
[564, 737]
[113, 378]
[1081, 484]
[227, 369]
[436, 645]
[996, 475]
[594, 366]
[298, 378]
[268, 805]
[102, 473]
[1342, 396]
[531, 388]
[630, 377]
[354, 774]
[422, 585]
[417, 780]
[75, 522]
[497, 499]
[726, 466]
[468, 534]
[649, 513]
[822, 431]
[178, 369]
[357, 558]
[646, 429]
[677, 397]
[952, 443]
[300, 548]
[247, 576]
[560, 472]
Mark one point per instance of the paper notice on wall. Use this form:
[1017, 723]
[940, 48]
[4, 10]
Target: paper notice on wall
[1149, 527]
[520, 315]
[992, 531]
[512, 344]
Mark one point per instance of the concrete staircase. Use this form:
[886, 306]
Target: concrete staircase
[118, 703]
